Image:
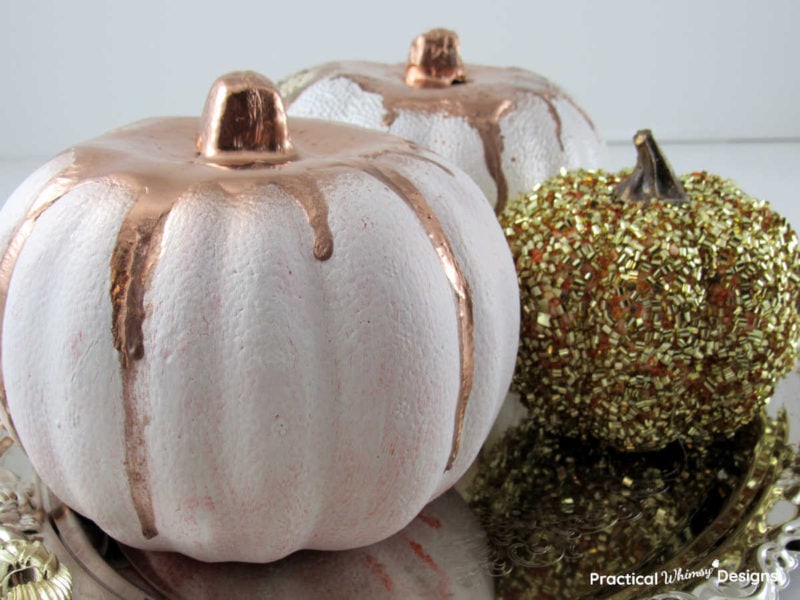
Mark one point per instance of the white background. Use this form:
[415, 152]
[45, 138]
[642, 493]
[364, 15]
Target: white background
[688, 69]
[717, 81]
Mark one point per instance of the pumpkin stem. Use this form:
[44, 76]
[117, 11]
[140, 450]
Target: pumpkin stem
[244, 122]
[434, 60]
[653, 178]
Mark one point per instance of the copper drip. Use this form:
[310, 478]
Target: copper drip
[434, 60]
[493, 144]
[132, 253]
[306, 192]
[551, 108]
[131, 263]
[158, 161]
[482, 100]
[458, 282]
[137, 466]
[49, 194]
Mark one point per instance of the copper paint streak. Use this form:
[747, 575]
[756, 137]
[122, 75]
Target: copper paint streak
[492, 141]
[49, 194]
[136, 458]
[157, 159]
[463, 297]
[131, 264]
[487, 94]
[306, 192]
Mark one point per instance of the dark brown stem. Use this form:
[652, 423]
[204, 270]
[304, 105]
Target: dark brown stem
[653, 178]
[244, 122]
[434, 60]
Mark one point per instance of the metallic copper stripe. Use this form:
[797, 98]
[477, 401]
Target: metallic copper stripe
[131, 254]
[133, 259]
[493, 144]
[481, 100]
[306, 192]
[458, 282]
[52, 191]
[136, 461]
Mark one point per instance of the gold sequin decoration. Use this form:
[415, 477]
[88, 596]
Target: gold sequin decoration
[28, 571]
[643, 324]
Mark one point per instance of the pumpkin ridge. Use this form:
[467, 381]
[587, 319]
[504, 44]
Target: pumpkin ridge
[179, 311]
[130, 264]
[406, 189]
[551, 108]
[567, 98]
[493, 144]
[63, 182]
[481, 111]
[308, 195]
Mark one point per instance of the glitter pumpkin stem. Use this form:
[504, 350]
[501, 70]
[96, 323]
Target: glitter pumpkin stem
[653, 177]
[434, 60]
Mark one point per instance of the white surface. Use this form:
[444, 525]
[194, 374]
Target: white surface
[687, 68]
[538, 137]
[768, 170]
[317, 357]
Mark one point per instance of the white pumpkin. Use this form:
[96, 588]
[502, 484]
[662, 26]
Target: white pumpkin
[443, 553]
[508, 128]
[271, 344]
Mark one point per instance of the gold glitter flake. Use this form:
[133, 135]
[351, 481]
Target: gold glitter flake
[660, 321]
[558, 509]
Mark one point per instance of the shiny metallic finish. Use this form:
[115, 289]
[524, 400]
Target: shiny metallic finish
[29, 571]
[463, 296]
[647, 323]
[434, 60]
[157, 160]
[652, 178]
[435, 81]
[244, 122]
[559, 509]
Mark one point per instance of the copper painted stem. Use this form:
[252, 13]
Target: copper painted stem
[244, 122]
[434, 60]
[653, 178]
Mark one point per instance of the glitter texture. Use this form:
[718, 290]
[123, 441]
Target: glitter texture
[643, 323]
[558, 509]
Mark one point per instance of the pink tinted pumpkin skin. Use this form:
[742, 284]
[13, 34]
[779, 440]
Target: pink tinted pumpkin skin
[507, 127]
[233, 366]
[441, 554]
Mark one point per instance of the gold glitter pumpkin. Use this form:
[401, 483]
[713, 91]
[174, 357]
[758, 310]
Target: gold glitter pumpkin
[653, 308]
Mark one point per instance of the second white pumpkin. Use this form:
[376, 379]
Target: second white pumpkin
[508, 128]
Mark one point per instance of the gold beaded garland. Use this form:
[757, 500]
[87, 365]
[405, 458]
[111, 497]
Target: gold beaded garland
[646, 322]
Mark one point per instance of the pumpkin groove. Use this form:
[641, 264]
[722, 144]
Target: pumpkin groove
[144, 375]
[463, 296]
[435, 82]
